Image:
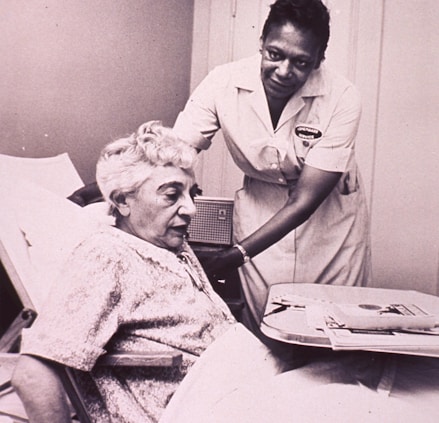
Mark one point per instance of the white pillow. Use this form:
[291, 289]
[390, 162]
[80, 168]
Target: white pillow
[51, 225]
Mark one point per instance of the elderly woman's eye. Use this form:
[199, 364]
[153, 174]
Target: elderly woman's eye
[172, 196]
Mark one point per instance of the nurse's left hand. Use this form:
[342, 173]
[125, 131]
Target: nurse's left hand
[219, 265]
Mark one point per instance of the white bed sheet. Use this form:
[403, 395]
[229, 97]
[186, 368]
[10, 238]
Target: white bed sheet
[232, 382]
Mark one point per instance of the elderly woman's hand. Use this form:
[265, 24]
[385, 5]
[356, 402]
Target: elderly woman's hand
[220, 264]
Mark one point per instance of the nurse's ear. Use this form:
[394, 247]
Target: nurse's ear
[120, 202]
[261, 44]
[320, 59]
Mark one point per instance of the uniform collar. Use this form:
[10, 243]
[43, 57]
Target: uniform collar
[247, 75]
[316, 84]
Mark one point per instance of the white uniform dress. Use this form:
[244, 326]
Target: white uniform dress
[317, 127]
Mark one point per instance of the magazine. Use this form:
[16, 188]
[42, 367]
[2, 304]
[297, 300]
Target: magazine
[424, 340]
[342, 338]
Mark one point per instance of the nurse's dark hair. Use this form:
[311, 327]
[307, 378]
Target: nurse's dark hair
[310, 15]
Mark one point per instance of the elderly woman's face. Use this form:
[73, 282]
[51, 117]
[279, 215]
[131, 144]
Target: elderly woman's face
[161, 209]
[289, 55]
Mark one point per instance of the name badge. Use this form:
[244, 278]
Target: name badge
[307, 132]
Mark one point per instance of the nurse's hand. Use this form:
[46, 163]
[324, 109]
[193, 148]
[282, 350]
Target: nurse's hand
[220, 264]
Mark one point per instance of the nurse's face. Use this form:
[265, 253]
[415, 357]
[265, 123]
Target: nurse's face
[161, 209]
[289, 55]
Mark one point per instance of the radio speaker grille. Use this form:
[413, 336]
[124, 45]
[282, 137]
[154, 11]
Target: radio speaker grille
[212, 223]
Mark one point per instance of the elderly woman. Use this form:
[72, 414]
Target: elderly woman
[135, 286]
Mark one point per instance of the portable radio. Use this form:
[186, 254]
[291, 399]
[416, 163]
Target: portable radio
[212, 223]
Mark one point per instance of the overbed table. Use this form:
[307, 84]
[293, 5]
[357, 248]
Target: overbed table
[291, 326]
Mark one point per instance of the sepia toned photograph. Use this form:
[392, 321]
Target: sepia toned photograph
[219, 211]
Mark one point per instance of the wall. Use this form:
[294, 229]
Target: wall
[405, 202]
[382, 46]
[77, 74]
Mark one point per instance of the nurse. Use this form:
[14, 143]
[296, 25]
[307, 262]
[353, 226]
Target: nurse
[290, 125]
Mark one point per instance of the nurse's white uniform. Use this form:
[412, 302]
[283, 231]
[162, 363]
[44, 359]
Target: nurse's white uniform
[317, 127]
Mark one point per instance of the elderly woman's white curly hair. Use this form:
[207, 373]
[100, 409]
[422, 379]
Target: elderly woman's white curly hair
[125, 164]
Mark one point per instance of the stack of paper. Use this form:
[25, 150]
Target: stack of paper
[390, 327]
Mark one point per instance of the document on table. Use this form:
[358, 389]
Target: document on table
[320, 317]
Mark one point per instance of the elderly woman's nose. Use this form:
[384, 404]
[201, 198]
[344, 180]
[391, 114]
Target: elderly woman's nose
[188, 207]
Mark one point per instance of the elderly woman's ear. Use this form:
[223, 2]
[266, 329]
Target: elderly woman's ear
[120, 202]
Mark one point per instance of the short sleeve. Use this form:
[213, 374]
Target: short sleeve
[334, 150]
[198, 122]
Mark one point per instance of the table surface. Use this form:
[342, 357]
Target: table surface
[291, 324]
